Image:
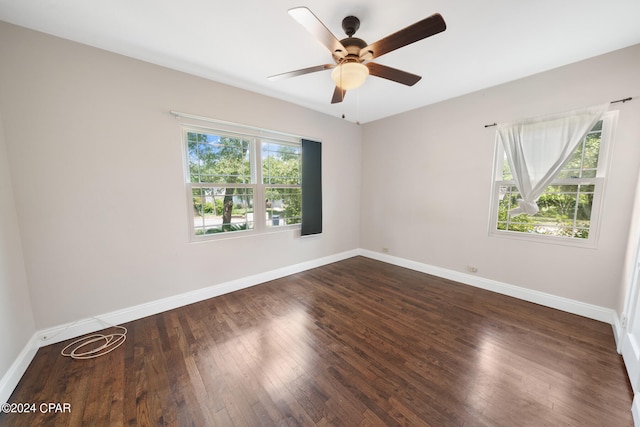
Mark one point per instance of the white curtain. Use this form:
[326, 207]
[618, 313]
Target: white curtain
[538, 149]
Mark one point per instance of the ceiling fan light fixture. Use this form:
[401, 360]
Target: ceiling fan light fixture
[350, 75]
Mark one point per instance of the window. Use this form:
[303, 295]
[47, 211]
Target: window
[569, 207]
[241, 183]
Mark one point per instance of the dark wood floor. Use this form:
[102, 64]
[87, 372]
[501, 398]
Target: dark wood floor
[355, 343]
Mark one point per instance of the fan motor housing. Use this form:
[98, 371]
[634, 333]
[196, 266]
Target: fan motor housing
[353, 45]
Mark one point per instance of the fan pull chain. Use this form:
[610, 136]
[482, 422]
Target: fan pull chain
[358, 109]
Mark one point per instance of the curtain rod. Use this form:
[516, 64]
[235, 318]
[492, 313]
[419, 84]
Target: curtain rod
[612, 102]
[622, 100]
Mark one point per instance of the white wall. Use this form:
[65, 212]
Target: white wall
[16, 316]
[98, 178]
[427, 182]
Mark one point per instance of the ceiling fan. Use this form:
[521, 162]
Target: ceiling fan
[352, 55]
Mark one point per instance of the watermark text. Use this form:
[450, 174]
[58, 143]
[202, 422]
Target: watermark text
[40, 407]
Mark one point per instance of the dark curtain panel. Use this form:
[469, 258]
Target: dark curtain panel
[311, 187]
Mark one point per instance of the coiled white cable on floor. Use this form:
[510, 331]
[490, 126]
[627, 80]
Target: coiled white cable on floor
[84, 347]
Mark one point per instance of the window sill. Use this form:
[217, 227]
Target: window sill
[244, 233]
[545, 239]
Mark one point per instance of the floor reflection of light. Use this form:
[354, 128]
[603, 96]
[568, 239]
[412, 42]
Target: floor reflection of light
[486, 374]
[274, 356]
[505, 383]
[285, 352]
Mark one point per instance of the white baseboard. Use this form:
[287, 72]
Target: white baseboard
[618, 331]
[81, 327]
[17, 369]
[591, 311]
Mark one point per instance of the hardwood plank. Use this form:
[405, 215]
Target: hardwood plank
[358, 342]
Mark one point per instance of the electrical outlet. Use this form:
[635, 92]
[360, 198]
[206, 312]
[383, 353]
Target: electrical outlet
[385, 250]
[472, 269]
[623, 321]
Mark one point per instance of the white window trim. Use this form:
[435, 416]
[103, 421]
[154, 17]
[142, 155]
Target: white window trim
[609, 122]
[256, 136]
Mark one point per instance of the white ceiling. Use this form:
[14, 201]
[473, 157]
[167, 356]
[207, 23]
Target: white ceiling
[241, 42]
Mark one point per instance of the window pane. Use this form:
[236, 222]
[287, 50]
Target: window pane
[283, 206]
[592, 151]
[584, 161]
[508, 200]
[506, 170]
[222, 209]
[280, 163]
[218, 159]
[565, 210]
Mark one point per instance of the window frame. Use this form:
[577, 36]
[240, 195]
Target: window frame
[256, 137]
[609, 120]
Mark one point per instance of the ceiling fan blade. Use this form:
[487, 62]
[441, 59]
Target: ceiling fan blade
[308, 20]
[434, 24]
[338, 95]
[301, 72]
[392, 74]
